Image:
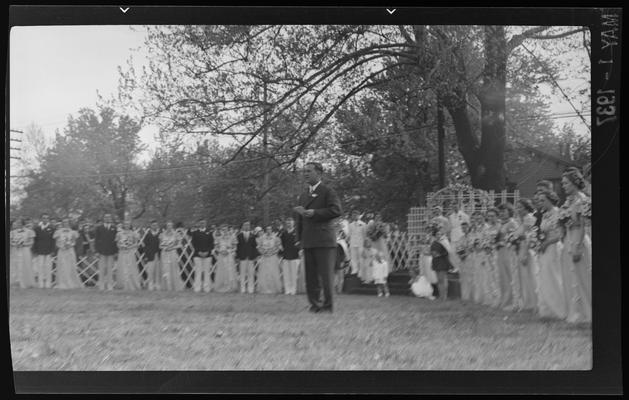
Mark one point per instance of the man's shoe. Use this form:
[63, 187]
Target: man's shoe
[326, 309]
[314, 309]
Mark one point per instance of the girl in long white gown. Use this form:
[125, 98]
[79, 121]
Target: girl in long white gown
[169, 242]
[225, 277]
[506, 258]
[488, 262]
[22, 239]
[128, 242]
[576, 256]
[550, 295]
[67, 276]
[526, 298]
[464, 250]
[478, 256]
[13, 242]
[269, 245]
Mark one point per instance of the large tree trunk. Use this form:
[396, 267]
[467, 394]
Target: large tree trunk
[492, 99]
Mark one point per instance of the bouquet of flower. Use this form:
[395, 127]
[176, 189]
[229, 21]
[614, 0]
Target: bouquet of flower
[586, 208]
[66, 242]
[490, 242]
[17, 240]
[461, 249]
[532, 238]
[565, 215]
[513, 240]
[375, 231]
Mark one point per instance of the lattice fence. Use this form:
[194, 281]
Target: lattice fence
[87, 266]
[469, 199]
[399, 245]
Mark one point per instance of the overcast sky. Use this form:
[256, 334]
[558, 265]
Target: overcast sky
[56, 70]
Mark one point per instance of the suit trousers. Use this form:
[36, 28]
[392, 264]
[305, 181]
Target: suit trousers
[320, 275]
[42, 264]
[106, 272]
[290, 269]
[154, 274]
[247, 275]
[202, 270]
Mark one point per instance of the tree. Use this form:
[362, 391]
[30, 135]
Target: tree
[203, 79]
[89, 168]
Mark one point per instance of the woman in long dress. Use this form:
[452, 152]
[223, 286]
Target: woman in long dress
[466, 266]
[67, 276]
[551, 300]
[488, 263]
[128, 242]
[169, 242]
[576, 256]
[225, 277]
[269, 245]
[526, 260]
[506, 257]
[14, 238]
[366, 261]
[477, 254]
[22, 238]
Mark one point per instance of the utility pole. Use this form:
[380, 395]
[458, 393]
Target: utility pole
[441, 146]
[265, 142]
[16, 141]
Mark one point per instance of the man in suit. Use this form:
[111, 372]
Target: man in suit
[246, 254]
[316, 232]
[203, 244]
[106, 250]
[290, 257]
[44, 247]
[150, 247]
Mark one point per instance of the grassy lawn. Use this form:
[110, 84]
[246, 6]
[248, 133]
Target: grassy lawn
[90, 330]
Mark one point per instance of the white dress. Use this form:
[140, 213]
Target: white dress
[269, 281]
[380, 272]
[67, 276]
[128, 242]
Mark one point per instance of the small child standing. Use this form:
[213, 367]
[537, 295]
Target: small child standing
[440, 263]
[380, 274]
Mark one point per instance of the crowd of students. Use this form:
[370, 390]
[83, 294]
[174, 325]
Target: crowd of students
[534, 256]
[221, 259]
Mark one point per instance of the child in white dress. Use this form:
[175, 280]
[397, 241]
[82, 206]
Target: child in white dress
[380, 269]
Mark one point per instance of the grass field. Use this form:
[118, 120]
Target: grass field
[91, 330]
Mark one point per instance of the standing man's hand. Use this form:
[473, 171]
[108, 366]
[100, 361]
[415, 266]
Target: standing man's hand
[308, 213]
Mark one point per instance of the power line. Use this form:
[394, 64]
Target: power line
[355, 141]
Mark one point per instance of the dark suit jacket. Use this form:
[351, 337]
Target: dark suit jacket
[202, 241]
[150, 246]
[247, 250]
[44, 244]
[320, 230]
[291, 250]
[105, 240]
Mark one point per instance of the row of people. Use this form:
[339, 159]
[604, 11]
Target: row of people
[535, 256]
[222, 260]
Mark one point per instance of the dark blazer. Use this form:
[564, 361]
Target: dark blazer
[289, 244]
[150, 245]
[44, 244]
[202, 241]
[247, 250]
[105, 240]
[320, 230]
